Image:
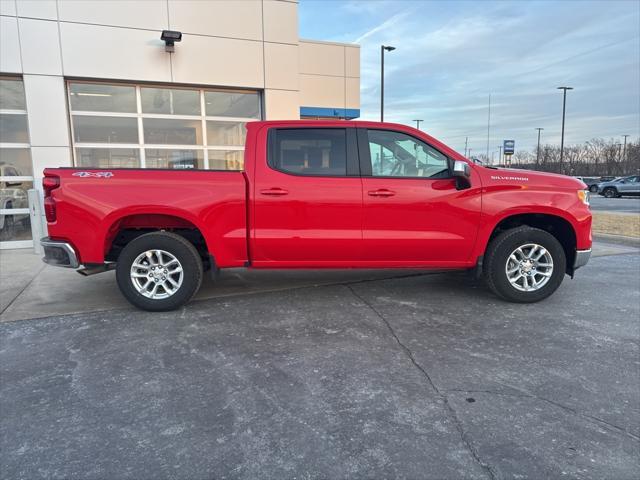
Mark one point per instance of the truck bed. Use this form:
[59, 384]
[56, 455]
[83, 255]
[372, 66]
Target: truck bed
[92, 205]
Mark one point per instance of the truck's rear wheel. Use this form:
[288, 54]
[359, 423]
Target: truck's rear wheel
[159, 271]
[524, 264]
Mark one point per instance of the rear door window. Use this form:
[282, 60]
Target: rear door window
[309, 151]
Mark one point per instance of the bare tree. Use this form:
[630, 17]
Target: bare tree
[597, 157]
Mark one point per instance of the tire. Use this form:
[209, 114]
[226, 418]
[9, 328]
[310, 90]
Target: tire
[172, 288]
[610, 193]
[593, 189]
[497, 261]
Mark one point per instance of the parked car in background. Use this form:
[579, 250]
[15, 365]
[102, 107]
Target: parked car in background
[591, 182]
[620, 186]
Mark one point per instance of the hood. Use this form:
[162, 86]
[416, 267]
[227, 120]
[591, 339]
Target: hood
[510, 176]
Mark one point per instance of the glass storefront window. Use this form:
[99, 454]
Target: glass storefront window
[226, 159]
[170, 101]
[232, 104]
[105, 129]
[226, 133]
[175, 159]
[12, 94]
[15, 227]
[14, 128]
[163, 131]
[108, 157]
[13, 193]
[16, 169]
[167, 126]
[17, 159]
[91, 97]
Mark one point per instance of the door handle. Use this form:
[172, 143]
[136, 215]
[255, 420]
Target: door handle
[382, 192]
[274, 192]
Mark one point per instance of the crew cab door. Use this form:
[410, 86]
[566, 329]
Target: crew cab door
[413, 213]
[307, 208]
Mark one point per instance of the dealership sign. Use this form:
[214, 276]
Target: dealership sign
[509, 147]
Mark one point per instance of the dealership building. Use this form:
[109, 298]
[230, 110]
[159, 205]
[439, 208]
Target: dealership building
[90, 83]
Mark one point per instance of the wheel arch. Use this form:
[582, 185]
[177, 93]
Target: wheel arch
[127, 226]
[558, 226]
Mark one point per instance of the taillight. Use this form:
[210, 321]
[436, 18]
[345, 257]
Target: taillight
[50, 183]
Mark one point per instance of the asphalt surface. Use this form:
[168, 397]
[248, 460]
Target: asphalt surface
[618, 205]
[426, 376]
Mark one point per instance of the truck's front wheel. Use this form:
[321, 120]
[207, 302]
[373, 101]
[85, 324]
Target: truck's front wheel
[524, 264]
[159, 271]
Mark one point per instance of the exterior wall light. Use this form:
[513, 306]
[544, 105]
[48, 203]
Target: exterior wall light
[169, 37]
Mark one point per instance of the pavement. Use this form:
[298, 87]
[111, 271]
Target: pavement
[628, 205]
[333, 375]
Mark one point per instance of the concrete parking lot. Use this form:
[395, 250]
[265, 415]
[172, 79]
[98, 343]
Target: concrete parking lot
[332, 375]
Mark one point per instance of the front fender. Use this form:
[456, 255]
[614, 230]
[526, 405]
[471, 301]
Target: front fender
[564, 205]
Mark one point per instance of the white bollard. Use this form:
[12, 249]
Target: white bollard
[35, 216]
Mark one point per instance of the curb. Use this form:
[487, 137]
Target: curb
[619, 239]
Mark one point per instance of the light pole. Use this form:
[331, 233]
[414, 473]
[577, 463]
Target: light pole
[619, 145]
[488, 126]
[624, 148]
[564, 106]
[382, 50]
[418, 123]
[466, 142]
[538, 150]
[500, 158]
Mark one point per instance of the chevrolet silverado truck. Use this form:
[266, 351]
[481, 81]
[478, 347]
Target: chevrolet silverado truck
[319, 194]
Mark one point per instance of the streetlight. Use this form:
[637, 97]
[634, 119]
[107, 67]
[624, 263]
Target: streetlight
[619, 145]
[538, 150]
[382, 50]
[418, 123]
[564, 105]
[624, 148]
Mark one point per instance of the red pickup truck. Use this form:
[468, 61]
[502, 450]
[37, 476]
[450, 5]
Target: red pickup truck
[319, 194]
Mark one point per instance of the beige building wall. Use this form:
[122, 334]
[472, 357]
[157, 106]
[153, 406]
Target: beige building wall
[250, 44]
[329, 75]
[226, 43]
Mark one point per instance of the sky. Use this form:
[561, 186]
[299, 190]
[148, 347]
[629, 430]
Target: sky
[451, 55]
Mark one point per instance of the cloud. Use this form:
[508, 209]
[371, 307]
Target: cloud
[382, 27]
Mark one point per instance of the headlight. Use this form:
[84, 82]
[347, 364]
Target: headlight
[583, 195]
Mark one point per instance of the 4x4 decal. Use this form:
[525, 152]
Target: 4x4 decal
[93, 174]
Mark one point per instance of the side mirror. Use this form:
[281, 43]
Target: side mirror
[462, 174]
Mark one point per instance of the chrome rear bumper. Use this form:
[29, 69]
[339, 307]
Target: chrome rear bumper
[582, 258]
[59, 253]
